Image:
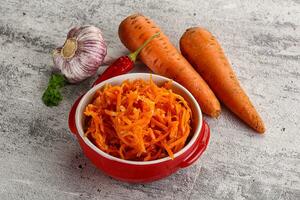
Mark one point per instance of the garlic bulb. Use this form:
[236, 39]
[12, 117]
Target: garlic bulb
[82, 53]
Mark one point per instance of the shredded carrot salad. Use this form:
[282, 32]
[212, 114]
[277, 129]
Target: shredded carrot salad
[138, 120]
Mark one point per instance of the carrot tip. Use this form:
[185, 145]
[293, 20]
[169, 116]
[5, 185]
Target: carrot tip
[260, 129]
[216, 114]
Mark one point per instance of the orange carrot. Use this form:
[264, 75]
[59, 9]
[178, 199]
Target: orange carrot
[204, 52]
[163, 58]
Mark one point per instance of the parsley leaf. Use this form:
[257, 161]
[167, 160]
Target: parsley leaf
[52, 95]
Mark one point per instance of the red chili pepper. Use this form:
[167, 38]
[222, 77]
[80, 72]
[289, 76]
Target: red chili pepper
[123, 64]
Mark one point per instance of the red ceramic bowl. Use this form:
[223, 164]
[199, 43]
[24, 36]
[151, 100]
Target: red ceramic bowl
[142, 171]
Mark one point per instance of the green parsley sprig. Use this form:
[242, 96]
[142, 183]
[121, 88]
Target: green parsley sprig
[52, 95]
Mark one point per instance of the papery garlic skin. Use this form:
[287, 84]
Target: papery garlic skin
[81, 55]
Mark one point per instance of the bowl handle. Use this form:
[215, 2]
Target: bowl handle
[201, 146]
[72, 124]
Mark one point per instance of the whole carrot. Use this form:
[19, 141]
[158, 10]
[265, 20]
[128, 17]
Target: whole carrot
[164, 59]
[204, 52]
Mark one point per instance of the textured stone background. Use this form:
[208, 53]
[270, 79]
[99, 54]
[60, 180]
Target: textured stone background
[40, 159]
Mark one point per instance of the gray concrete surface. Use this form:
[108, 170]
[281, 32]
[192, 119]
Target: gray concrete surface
[40, 158]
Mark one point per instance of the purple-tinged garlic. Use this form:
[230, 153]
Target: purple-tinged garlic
[81, 55]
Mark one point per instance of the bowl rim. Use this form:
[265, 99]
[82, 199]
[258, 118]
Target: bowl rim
[133, 76]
